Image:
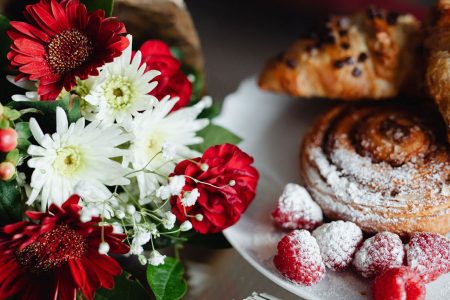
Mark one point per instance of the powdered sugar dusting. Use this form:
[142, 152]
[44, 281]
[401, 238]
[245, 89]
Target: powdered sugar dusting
[354, 186]
[299, 259]
[296, 209]
[310, 251]
[429, 255]
[378, 253]
[338, 242]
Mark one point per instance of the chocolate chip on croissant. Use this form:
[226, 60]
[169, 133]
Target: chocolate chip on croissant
[367, 55]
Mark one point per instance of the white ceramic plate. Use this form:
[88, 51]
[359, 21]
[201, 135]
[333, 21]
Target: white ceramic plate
[272, 127]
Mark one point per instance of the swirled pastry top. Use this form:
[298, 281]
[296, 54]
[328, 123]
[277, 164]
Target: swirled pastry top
[381, 166]
[368, 55]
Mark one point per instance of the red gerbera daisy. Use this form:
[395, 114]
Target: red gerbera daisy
[55, 254]
[61, 42]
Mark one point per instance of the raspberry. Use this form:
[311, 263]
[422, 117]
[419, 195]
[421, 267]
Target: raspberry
[296, 209]
[398, 284]
[298, 258]
[428, 254]
[338, 242]
[379, 253]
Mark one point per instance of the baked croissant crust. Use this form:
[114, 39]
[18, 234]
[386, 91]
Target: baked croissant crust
[437, 45]
[383, 167]
[368, 55]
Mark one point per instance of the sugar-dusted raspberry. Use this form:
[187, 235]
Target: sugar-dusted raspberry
[398, 284]
[299, 259]
[338, 242]
[379, 253]
[428, 254]
[296, 209]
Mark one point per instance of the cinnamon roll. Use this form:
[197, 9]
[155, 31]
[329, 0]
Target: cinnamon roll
[383, 167]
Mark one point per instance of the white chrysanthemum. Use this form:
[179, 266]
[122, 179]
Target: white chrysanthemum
[154, 128]
[123, 89]
[73, 154]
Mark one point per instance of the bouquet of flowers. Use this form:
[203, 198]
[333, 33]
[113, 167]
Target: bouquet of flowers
[105, 153]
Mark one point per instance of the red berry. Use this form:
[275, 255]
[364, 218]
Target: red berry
[428, 254]
[8, 139]
[7, 171]
[299, 259]
[401, 283]
[379, 253]
[338, 242]
[296, 209]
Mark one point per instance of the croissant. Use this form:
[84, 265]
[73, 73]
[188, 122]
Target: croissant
[367, 55]
[437, 45]
[384, 167]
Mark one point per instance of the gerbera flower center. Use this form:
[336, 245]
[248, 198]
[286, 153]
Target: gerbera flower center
[52, 249]
[119, 92]
[68, 160]
[68, 50]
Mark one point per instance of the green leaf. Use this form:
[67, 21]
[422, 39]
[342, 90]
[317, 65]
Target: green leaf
[215, 135]
[211, 112]
[13, 156]
[197, 84]
[11, 114]
[23, 134]
[5, 41]
[124, 289]
[176, 52]
[4, 123]
[10, 202]
[166, 281]
[106, 5]
[23, 130]
[48, 108]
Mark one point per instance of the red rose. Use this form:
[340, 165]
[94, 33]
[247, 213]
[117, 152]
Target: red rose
[172, 80]
[227, 185]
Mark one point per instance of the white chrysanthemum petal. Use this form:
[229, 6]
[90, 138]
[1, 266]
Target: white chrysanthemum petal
[36, 131]
[92, 99]
[38, 150]
[39, 162]
[19, 98]
[62, 125]
[136, 63]
[73, 154]
[33, 196]
[32, 95]
[150, 75]
[162, 127]
[122, 90]
[22, 83]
